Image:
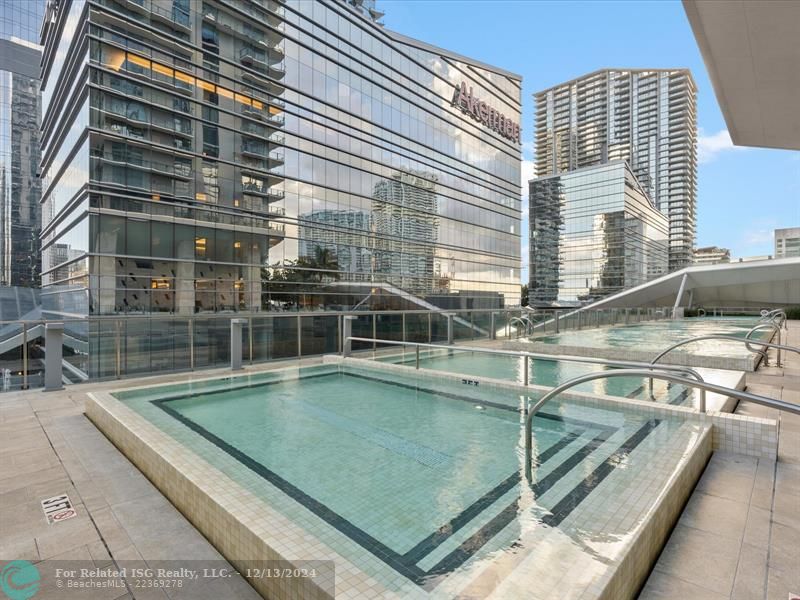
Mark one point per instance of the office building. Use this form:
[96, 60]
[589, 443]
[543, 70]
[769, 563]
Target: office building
[20, 118]
[787, 242]
[205, 157]
[594, 232]
[646, 117]
[712, 255]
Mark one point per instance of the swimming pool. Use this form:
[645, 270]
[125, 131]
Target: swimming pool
[548, 373]
[416, 485]
[644, 341]
[658, 335]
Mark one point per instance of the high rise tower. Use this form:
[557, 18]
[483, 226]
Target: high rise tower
[20, 118]
[646, 117]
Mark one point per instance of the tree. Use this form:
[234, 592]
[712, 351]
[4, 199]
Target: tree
[523, 295]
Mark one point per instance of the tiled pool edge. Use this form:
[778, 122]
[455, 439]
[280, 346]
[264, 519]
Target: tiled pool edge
[217, 515]
[634, 569]
[751, 436]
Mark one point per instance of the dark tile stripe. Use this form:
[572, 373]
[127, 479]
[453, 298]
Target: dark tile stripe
[568, 503]
[472, 544]
[444, 532]
[636, 392]
[381, 551]
[243, 386]
[406, 564]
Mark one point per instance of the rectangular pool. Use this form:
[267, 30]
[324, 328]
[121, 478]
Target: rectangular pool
[418, 484]
[547, 373]
[644, 341]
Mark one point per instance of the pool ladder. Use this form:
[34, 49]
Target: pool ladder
[701, 385]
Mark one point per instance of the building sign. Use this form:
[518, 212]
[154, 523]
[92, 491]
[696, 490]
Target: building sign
[480, 111]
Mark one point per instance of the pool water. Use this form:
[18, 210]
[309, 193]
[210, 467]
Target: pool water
[415, 482]
[659, 335]
[548, 373]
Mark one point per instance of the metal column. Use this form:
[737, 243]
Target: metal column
[449, 327]
[236, 343]
[493, 330]
[347, 333]
[53, 346]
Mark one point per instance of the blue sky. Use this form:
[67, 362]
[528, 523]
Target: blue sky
[743, 193]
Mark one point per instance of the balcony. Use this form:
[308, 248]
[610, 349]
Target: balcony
[262, 114]
[268, 62]
[175, 18]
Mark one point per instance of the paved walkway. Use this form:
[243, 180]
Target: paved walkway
[739, 535]
[48, 447]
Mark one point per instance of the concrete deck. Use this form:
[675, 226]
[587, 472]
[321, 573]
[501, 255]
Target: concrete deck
[48, 447]
[739, 535]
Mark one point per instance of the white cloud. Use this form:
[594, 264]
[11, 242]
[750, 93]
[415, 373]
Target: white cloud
[710, 146]
[527, 149]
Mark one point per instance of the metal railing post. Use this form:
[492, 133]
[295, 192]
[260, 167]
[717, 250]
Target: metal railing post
[347, 334]
[250, 337]
[493, 330]
[53, 348]
[404, 327]
[525, 375]
[299, 337]
[430, 328]
[236, 343]
[191, 344]
[374, 331]
[449, 328]
[555, 318]
[24, 356]
[417, 358]
[118, 348]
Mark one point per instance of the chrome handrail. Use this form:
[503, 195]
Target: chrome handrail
[773, 315]
[760, 326]
[725, 337]
[536, 355]
[738, 394]
[525, 321]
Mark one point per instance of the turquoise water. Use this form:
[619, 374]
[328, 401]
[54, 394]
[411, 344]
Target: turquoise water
[548, 373]
[658, 335]
[416, 480]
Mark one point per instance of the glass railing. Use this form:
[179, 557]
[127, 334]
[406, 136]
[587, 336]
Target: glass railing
[146, 340]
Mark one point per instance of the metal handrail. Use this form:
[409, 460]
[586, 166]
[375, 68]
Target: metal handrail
[738, 394]
[537, 355]
[525, 321]
[760, 326]
[773, 315]
[724, 337]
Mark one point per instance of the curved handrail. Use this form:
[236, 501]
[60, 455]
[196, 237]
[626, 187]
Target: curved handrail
[774, 313]
[732, 338]
[536, 355]
[525, 321]
[759, 327]
[777, 314]
[740, 395]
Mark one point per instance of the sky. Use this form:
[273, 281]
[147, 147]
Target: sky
[743, 193]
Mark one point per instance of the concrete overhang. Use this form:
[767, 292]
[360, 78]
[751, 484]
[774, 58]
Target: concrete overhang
[766, 283]
[751, 49]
